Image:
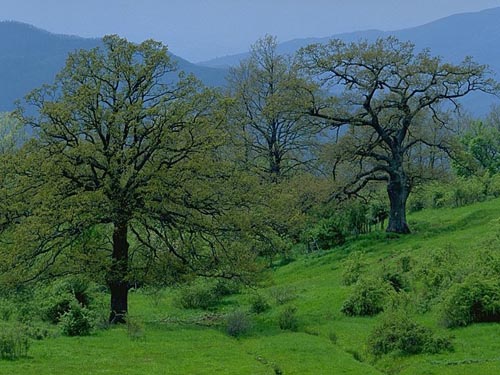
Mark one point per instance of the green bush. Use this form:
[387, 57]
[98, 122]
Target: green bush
[326, 234]
[237, 323]
[369, 297]
[398, 333]
[56, 307]
[223, 288]
[60, 296]
[14, 342]
[433, 274]
[259, 305]
[473, 301]
[78, 321]
[352, 268]
[466, 191]
[288, 319]
[7, 310]
[283, 295]
[198, 296]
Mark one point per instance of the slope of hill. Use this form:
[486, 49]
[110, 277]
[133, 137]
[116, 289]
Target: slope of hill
[175, 340]
[30, 57]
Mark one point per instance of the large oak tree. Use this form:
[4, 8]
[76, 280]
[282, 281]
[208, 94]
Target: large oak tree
[126, 154]
[388, 94]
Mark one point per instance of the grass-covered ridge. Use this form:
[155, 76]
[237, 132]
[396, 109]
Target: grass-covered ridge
[168, 339]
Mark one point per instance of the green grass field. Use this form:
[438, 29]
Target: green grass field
[177, 341]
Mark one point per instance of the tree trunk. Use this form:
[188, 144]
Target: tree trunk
[117, 276]
[398, 190]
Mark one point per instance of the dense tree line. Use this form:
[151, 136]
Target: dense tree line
[132, 176]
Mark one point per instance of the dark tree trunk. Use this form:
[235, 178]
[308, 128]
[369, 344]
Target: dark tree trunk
[117, 277]
[398, 190]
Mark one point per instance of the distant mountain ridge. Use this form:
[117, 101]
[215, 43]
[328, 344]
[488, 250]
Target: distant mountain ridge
[30, 57]
[476, 34]
[455, 37]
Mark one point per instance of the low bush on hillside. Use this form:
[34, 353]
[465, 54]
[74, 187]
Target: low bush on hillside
[475, 300]
[369, 297]
[14, 342]
[259, 305]
[78, 321]
[288, 320]
[237, 323]
[60, 296]
[399, 333]
[198, 296]
[325, 234]
[283, 295]
[352, 268]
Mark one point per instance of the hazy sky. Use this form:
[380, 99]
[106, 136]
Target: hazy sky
[203, 29]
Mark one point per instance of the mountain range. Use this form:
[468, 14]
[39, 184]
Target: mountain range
[30, 56]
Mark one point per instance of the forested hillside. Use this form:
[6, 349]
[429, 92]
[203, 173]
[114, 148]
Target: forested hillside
[328, 212]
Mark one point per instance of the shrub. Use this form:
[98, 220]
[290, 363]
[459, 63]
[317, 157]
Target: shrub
[198, 296]
[352, 268]
[259, 305]
[398, 333]
[37, 331]
[283, 295]
[60, 296]
[369, 297]
[56, 307]
[473, 301]
[237, 323]
[288, 319]
[327, 233]
[78, 321]
[433, 274]
[14, 342]
[225, 288]
[7, 310]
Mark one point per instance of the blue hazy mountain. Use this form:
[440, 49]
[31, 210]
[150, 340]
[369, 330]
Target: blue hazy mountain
[30, 57]
[454, 37]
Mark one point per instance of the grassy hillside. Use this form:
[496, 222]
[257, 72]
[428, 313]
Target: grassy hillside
[166, 339]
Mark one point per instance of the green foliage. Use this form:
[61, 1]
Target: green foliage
[475, 300]
[59, 298]
[225, 288]
[7, 309]
[433, 274]
[283, 294]
[480, 149]
[399, 333]
[288, 319]
[273, 138]
[325, 234]
[369, 297]
[259, 304]
[77, 321]
[352, 267]
[237, 323]
[198, 296]
[14, 342]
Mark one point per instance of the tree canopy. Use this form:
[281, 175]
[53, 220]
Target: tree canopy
[124, 157]
[268, 112]
[391, 96]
